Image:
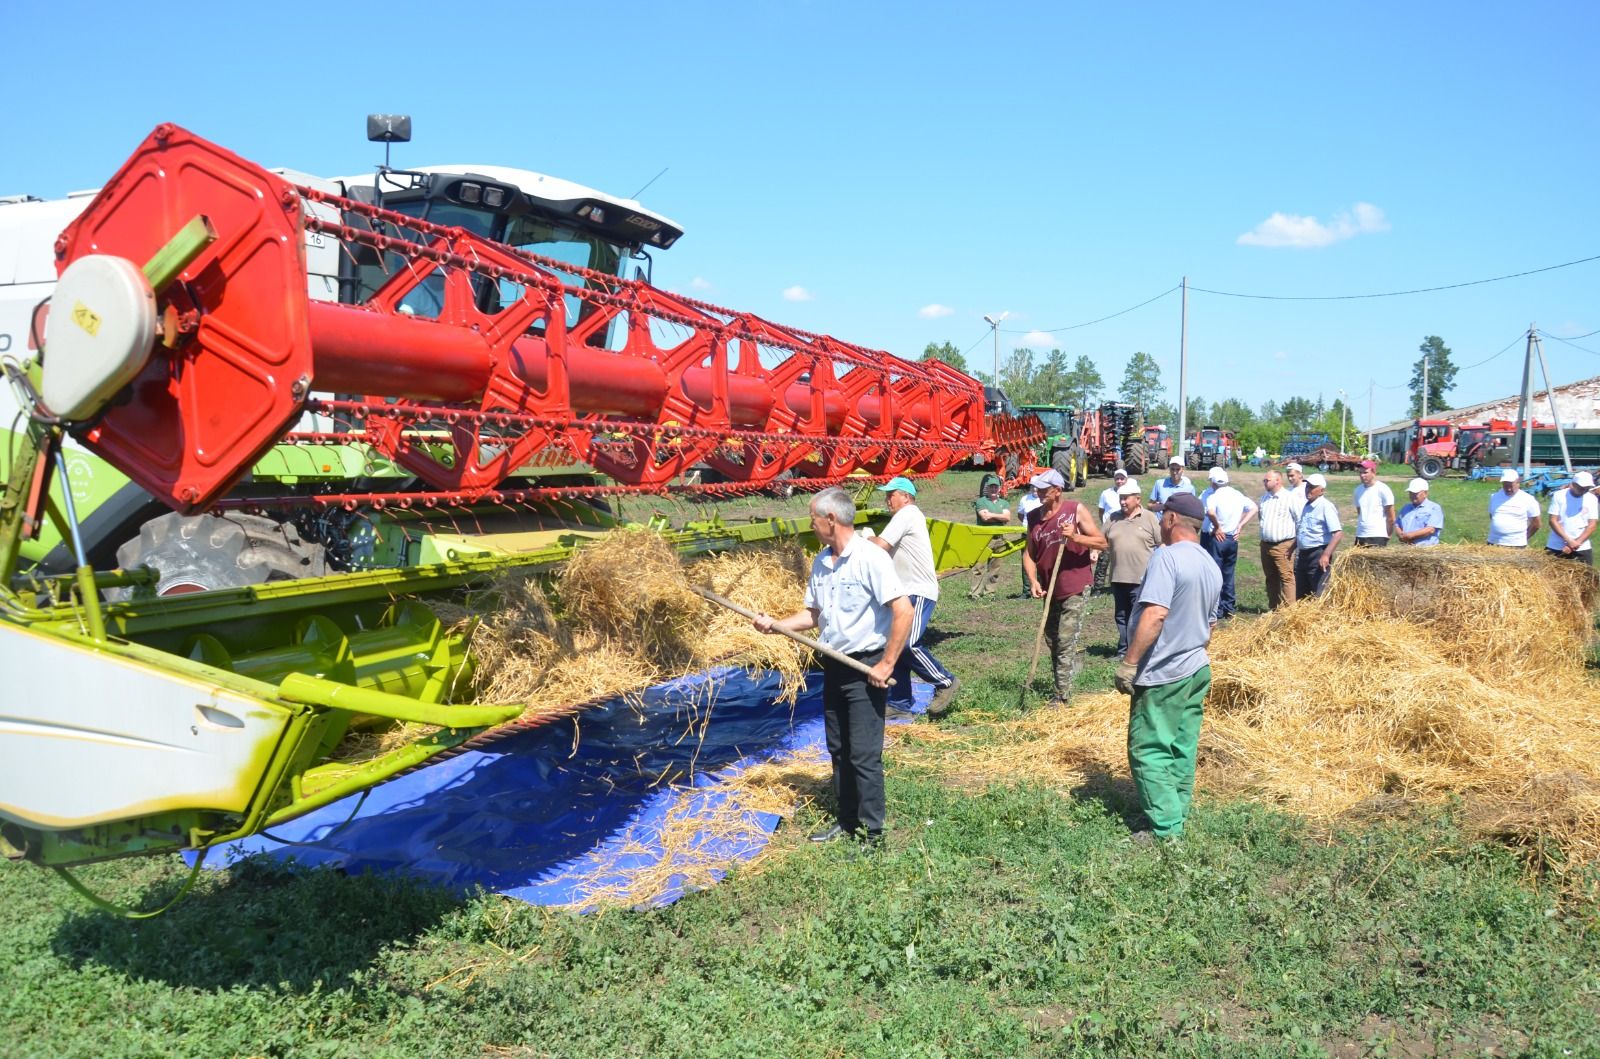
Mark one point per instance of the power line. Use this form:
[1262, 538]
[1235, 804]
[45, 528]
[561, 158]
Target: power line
[1574, 345]
[1086, 323]
[981, 340]
[1393, 293]
[1569, 338]
[1486, 360]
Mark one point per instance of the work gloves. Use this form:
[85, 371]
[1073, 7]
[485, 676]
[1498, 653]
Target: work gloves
[1126, 671]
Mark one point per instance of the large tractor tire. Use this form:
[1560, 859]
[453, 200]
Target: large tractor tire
[1429, 467]
[1062, 463]
[1012, 464]
[1136, 460]
[195, 553]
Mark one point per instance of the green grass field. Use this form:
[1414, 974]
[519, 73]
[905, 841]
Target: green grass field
[1008, 921]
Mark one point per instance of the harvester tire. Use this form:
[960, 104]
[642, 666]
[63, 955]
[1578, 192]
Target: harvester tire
[1013, 463]
[1137, 459]
[194, 553]
[1429, 467]
[1324, 466]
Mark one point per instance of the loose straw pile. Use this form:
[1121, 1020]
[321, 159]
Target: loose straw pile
[623, 617]
[1422, 674]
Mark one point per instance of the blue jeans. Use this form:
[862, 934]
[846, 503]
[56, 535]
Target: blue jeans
[1226, 554]
[916, 658]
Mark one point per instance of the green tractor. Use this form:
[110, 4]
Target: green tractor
[1062, 450]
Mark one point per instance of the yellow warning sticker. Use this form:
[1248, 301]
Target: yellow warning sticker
[86, 318]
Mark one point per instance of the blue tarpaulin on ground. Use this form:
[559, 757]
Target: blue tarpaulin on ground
[550, 814]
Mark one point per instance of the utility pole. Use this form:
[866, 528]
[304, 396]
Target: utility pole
[1183, 374]
[1424, 386]
[994, 324]
[1550, 395]
[1524, 434]
[1344, 414]
[1371, 386]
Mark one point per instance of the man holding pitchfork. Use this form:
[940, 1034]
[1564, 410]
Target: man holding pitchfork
[1061, 535]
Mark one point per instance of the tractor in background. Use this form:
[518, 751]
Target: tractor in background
[1212, 446]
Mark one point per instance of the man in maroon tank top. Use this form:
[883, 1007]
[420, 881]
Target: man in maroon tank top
[1064, 528]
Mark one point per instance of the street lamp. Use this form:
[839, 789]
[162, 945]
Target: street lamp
[994, 323]
[1344, 413]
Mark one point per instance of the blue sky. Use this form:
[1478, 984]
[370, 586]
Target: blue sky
[859, 169]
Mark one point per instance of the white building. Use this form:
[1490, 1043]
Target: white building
[1577, 406]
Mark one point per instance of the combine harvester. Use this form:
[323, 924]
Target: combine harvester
[305, 374]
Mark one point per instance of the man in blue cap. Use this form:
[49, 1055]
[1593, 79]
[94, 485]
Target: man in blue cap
[906, 539]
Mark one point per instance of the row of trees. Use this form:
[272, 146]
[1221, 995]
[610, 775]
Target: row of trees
[1053, 380]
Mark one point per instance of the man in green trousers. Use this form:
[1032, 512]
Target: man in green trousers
[1166, 669]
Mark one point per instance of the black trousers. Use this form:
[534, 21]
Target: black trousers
[1309, 576]
[852, 718]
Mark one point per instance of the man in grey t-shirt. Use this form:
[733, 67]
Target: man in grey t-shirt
[1166, 669]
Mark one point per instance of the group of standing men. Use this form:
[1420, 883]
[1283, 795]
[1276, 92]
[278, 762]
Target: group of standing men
[1171, 570]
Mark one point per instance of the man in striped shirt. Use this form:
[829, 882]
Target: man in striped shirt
[1279, 512]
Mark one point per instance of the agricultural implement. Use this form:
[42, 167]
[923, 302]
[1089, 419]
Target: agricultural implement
[182, 346]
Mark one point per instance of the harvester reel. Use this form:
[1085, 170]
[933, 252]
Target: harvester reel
[195, 553]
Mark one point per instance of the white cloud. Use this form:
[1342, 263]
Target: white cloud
[1037, 339]
[700, 283]
[1280, 355]
[797, 294]
[1303, 232]
[934, 311]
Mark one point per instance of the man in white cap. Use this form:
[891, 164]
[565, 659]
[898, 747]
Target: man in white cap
[1175, 482]
[1110, 504]
[906, 539]
[1573, 514]
[1317, 534]
[1132, 533]
[1064, 528]
[1513, 514]
[1294, 479]
[1374, 509]
[1421, 522]
[1228, 512]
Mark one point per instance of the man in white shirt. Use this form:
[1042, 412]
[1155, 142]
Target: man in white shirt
[1573, 514]
[1110, 502]
[1228, 511]
[1279, 511]
[906, 539]
[857, 601]
[1374, 509]
[1513, 514]
[1294, 479]
[1028, 501]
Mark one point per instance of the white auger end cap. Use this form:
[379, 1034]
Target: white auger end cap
[100, 332]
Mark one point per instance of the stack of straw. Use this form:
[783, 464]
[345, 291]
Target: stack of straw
[1423, 673]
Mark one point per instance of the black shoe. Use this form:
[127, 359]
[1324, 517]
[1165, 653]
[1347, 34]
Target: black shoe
[830, 834]
[895, 713]
[869, 842]
[943, 699]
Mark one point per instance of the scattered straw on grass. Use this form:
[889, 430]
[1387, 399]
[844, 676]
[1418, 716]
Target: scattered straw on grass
[1422, 674]
[705, 833]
